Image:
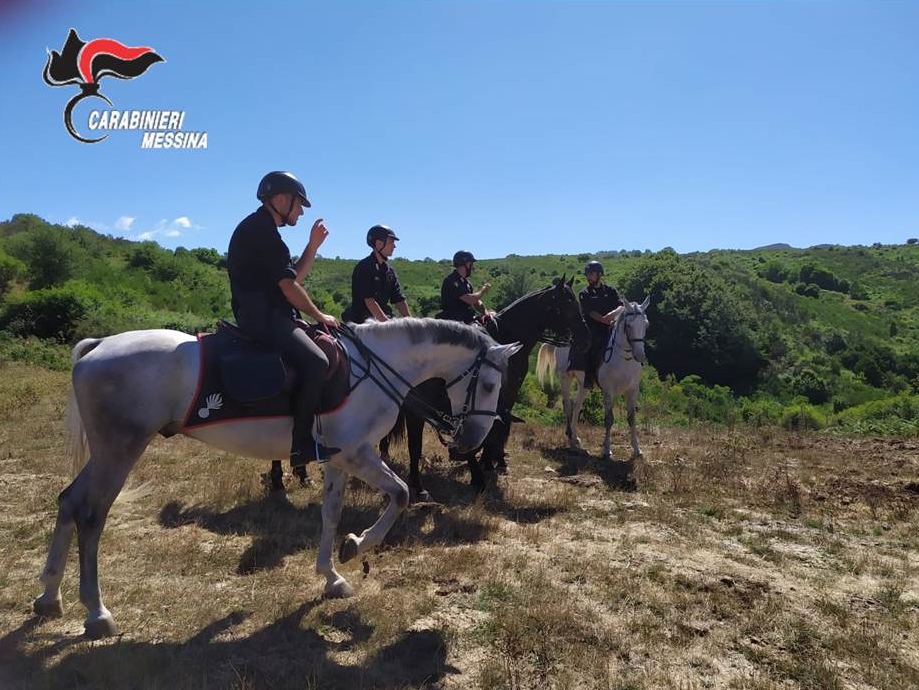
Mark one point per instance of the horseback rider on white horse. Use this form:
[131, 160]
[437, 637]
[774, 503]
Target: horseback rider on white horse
[267, 297]
[598, 305]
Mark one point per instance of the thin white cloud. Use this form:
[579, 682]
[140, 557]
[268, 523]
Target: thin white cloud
[125, 222]
[173, 233]
[144, 236]
[182, 222]
[72, 221]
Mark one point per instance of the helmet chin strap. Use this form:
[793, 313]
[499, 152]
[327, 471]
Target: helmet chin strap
[285, 218]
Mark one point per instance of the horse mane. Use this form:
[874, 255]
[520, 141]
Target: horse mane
[428, 330]
[527, 296]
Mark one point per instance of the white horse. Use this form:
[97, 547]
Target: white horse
[619, 372]
[131, 386]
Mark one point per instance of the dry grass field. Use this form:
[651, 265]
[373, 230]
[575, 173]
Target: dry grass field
[724, 559]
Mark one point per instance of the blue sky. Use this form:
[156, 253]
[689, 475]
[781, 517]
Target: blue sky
[499, 127]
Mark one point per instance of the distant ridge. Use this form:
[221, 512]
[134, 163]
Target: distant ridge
[777, 245]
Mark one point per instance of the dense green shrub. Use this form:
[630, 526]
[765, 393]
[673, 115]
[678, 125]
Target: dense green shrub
[50, 313]
[803, 417]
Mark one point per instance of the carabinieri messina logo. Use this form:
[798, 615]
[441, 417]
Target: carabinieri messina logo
[84, 64]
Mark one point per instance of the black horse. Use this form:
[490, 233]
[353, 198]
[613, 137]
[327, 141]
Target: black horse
[552, 310]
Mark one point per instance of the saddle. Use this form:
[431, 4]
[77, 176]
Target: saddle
[240, 378]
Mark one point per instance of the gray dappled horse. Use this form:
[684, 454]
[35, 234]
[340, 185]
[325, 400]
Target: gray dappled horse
[619, 372]
[129, 387]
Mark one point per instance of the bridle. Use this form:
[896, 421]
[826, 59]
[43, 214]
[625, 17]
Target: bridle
[625, 350]
[551, 307]
[377, 370]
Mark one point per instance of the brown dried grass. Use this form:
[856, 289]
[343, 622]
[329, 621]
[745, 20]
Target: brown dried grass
[726, 558]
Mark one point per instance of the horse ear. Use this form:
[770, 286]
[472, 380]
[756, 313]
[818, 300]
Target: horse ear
[562, 281]
[506, 351]
[644, 305]
[570, 282]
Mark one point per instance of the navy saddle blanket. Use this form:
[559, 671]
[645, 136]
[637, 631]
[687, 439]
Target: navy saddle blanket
[241, 379]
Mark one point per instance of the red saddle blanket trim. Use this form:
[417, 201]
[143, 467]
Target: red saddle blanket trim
[213, 404]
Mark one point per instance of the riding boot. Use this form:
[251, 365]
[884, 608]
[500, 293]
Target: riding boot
[304, 448]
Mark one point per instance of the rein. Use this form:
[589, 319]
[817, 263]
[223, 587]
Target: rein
[378, 371]
[557, 337]
[626, 350]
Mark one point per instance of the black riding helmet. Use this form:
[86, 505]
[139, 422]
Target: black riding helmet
[593, 266]
[462, 257]
[280, 182]
[379, 232]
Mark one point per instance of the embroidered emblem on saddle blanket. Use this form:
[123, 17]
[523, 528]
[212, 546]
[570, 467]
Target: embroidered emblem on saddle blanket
[241, 379]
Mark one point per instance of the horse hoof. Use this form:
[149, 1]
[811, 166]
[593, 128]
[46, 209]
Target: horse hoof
[44, 607]
[348, 549]
[502, 470]
[340, 589]
[637, 455]
[422, 497]
[103, 626]
[608, 455]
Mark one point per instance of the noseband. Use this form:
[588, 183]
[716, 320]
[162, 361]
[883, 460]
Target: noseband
[469, 409]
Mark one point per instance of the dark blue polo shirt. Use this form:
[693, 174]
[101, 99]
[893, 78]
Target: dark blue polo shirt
[376, 280]
[256, 261]
[601, 299]
[452, 307]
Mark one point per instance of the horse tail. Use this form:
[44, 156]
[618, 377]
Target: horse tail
[545, 363]
[397, 433]
[77, 446]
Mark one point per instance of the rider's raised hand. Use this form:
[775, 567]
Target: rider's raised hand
[318, 233]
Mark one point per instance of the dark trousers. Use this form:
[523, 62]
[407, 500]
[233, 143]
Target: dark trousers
[589, 361]
[280, 331]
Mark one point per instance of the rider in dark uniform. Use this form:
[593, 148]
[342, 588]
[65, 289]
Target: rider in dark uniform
[374, 284]
[267, 296]
[598, 301]
[458, 301]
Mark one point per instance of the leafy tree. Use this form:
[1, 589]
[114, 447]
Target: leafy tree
[774, 271]
[50, 257]
[698, 323]
[11, 268]
[516, 285]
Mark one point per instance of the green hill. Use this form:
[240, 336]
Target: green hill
[826, 335]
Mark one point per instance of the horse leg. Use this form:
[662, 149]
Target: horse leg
[49, 604]
[375, 473]
[414, 428]
[564, 381]
[494, 456]
[608, 423]
[274, 478]
[632, 398]
[576, 410]
[476, 474]
[334, 480]
[87, 502]
[384, 449]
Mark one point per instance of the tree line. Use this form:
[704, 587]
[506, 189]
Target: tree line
[833, 328]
